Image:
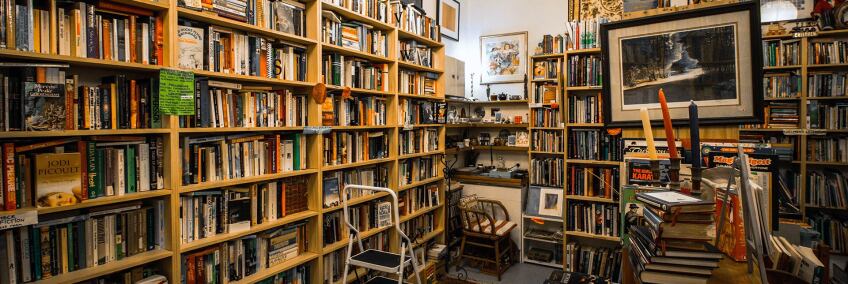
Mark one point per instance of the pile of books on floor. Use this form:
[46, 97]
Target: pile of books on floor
[673, 244]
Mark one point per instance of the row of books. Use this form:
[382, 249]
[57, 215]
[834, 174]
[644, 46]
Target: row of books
[334, 183]
[546, 93]
[827, 116]
[287, 16]
[217, 158]
[594, 144]
[782, 52]
[334, 262]
[68, 171]
[419, 226]
[593, 182]
[146, 274]
[828, 149]
[236, 259]
[545, 116]
[413, 19]
[796, 260]
[297, 275]
[204, 214]
[354, 35]
[416, 112]
[782, 85]
[586, 109]
[418, 198]
[547, 69]
[353, 72]
[417, 169]
[593, 218]
[364, 216]
[218, 49]
[551, 44]
[374, 9]
[833, 229]
[354, 111]
[102, 30]
[828, 51]
[584, 70]
[223, 104]
[417, 83]
[60, 244]
[411, 51]
[827, 84]
[602, 262]
[827, 189]
[782, 115]
[420, 140]
[547, 141]
[547, 171]
[355, 146]
[583, 34]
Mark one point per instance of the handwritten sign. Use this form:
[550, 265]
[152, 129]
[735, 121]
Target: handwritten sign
[176, 92]
[804, 132]
[19, 219]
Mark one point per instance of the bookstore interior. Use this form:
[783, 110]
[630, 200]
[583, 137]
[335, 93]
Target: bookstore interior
[423, 141]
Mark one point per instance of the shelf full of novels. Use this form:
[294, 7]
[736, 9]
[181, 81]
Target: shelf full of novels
[166, 195]
[806, 113]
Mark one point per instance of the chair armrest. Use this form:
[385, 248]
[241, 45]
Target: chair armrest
[495, 204]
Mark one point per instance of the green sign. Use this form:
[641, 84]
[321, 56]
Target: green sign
[176, 92]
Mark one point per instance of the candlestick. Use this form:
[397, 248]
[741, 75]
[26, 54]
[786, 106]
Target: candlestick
[669, 131]
[649, 135]
[694, 133]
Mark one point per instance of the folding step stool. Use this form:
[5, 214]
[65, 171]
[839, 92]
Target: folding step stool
[383, 261]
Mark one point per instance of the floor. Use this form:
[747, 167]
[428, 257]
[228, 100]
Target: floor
[518, 273]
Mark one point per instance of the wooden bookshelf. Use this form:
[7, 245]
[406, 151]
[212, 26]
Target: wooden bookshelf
[169, 258]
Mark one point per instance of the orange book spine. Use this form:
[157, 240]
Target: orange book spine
[160, 37]
[133, 46]
[81, 147]
[9, 167]
[133, 105]
[107, 40]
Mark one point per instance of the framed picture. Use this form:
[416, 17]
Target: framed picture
[550, 202]
[448, 11]
[785, 10]
[504, 57]
[711, 56]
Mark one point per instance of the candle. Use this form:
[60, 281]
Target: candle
[669, 132]
[695, 135]
[649, 136]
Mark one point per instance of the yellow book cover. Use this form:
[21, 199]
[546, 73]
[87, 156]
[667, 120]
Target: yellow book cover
[57, 179]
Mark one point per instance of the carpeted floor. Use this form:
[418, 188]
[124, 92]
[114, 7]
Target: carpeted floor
[518, 273]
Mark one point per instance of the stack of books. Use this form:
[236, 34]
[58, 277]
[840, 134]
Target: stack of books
[782, 115]
[673, 243]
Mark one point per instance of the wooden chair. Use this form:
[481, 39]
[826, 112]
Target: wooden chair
[486, 226]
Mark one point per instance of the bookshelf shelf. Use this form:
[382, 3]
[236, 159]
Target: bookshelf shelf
[422, 154]
[548, 264]
[813, 66]
[547, 128]
[546, 153]
[78, 61]
[239, 129]
[421, 125]
[828, 98]
[584, 125]
[606, 163]
[357, 164]
[488, 125]
[360, 90]
[584, 88]
[250, 79]
[363, 235]
[68, 133]
[550, 219]
[548, 55]
[487, 148]
[363, 127]
[787, 67]
[781, 36]
[544, 80]
[420, 183]
[420, 97]
[146, 4]
[494, 102]
[782, 99]
[356, 53]
[412, 66]
[419, 212]
[427, 237]
[592, 236]
[106, 200]
[405, 35]
[824, 163]
[288, 264]
[351, 15]
[583, 51]
[542, 240]
[355, 201]
[591, 198]
[214, 19]
[111, 267]
[205, 242]
[241, 181]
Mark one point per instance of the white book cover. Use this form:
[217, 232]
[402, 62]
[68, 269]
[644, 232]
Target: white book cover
[143, 164]
[190, 41]
[145, 41]
[26, 257]
[10, 257]
[288, 155]
[120, 181]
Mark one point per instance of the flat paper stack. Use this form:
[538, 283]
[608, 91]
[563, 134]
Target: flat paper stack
[674, 242]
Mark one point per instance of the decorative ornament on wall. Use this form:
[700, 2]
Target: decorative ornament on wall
[594, 9]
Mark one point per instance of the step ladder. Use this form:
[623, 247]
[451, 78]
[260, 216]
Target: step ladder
[377, 260]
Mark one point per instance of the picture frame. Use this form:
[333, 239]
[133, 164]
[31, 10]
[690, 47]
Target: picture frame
[503, 58]
[772, 11]
[449, 15]
[711, 56]
[550, 202]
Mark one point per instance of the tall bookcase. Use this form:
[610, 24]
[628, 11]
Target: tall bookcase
[802, 134]
[168, 258]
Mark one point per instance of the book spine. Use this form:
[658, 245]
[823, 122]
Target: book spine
[9, 177]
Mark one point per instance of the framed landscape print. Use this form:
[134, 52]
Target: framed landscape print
[504, 57]
[711, 56]
[449, 18]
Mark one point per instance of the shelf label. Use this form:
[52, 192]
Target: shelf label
[176, 92]
[317, 130]
[804, 132]
[19, 219]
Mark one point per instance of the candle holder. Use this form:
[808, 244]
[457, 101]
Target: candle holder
[696, 180]
[674, 173]
[655, 173]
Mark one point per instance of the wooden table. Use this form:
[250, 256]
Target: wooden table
[728, 272]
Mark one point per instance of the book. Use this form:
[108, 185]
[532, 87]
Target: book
[546, 141]
[782, 52]
[593, 218]
[417, 169]
[346, 71]
[551, 44]
[584, 71]
[374, 9]
[345, 147]
[57, 179]
[419, 140]
[44, 106]
[603, 262]
[217, 158]
[331, 192]
[191, 45]
[675, 201]
[547, 171]
[336, 30]
[677, 229]
[595, 144]
[418, 83]
[413, 19]
[416, 53]
[545, 116]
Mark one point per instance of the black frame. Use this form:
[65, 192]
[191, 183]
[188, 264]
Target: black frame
[755, 37]
[458, 17]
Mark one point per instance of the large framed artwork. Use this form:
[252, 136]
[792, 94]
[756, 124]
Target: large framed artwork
[504, 57]
[449, 18]
[711, 56]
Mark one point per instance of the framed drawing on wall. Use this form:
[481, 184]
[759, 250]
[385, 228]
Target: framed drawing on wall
[503, 57]
[711, 56]
[448, 11]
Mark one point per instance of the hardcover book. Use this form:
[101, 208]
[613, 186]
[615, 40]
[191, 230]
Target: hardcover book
[44, 106]
[191, 41]
[57, 179]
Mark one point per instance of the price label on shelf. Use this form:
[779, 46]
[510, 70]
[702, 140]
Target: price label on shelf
[19, 219]
[316, 130]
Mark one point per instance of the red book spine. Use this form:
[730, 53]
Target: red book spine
[159, 41]
[9, 167]
[83, 169]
